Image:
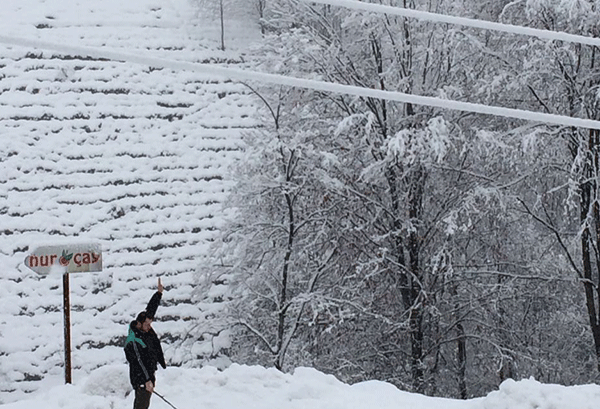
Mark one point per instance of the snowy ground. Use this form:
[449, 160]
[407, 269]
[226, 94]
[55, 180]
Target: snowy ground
[260, 388]
[120, 153]
[136, 159]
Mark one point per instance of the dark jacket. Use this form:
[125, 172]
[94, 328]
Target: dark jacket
[143, 350]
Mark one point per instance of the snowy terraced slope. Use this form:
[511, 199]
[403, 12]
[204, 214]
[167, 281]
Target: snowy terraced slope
[128, 155]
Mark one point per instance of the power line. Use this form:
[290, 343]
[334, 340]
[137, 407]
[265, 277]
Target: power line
[248, 75]
[461, 21]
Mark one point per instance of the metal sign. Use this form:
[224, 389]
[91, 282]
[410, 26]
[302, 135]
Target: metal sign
[68, 258]
[65, 259]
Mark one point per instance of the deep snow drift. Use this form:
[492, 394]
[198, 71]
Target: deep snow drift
[257, 387]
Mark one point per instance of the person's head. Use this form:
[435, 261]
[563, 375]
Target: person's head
[144, 321]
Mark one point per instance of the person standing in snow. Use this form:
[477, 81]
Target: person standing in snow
[144, 353]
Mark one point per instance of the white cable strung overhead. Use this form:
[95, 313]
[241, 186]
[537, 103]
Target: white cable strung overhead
[247, 75]
[461, 21]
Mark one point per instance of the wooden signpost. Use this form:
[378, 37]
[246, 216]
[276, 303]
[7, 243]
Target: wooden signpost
[66, 259]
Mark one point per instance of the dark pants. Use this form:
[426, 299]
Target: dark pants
[142, 398]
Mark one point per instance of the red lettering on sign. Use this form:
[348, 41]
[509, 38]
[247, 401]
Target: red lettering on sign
[34, 261]
[86, 258]
[42, 261]
[45, 261]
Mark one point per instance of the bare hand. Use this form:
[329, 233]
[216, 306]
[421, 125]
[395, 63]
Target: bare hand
[150, 386]
[160, 286]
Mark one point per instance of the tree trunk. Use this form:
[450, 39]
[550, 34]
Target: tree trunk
[410, 278]
[461, 358]
[283, 307]
[589, 214]
[415, 201]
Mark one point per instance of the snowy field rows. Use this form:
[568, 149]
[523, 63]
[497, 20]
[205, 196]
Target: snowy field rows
[136, 158]
[128, 155]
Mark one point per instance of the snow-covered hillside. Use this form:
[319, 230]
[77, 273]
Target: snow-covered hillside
[135, 157]
[128, 155]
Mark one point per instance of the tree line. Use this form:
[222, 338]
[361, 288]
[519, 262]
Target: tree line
[441, 251]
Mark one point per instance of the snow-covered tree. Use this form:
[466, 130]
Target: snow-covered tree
[391, 241]
[573, 70]
[280, 248]
[391, 173]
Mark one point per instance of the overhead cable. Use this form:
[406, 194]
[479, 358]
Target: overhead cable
[461, 21]
[248, 75]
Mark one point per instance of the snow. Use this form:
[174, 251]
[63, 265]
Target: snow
[135, 159]
[130, 157]
[261, 388]
[249, 75]
[461, 21]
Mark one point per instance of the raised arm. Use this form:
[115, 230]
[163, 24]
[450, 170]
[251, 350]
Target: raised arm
[154, 301]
